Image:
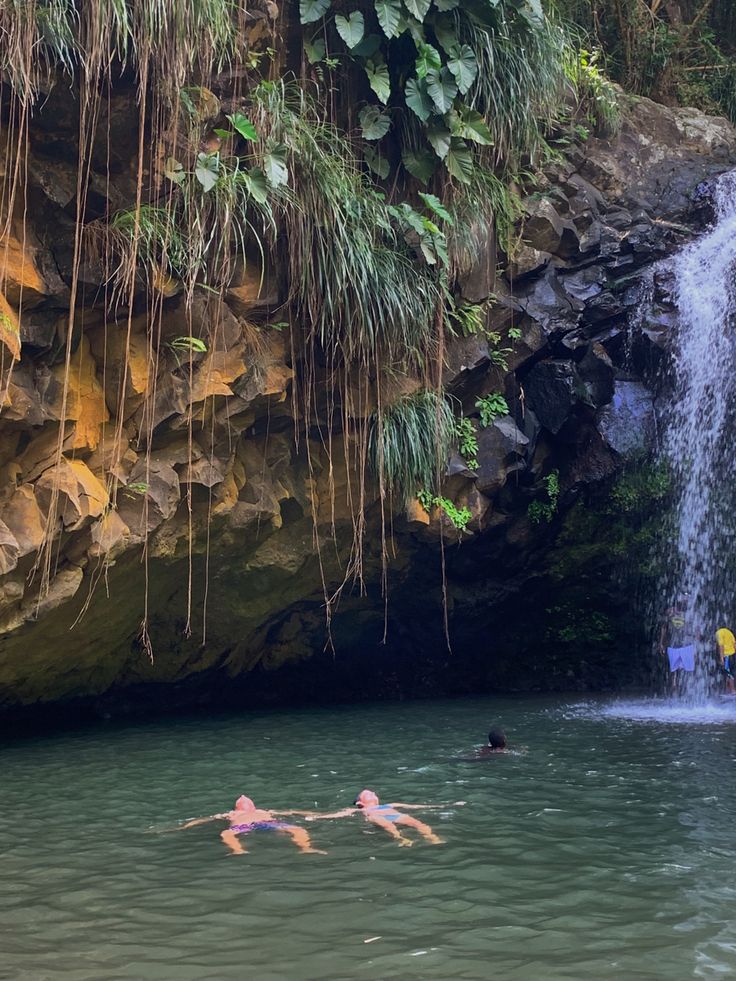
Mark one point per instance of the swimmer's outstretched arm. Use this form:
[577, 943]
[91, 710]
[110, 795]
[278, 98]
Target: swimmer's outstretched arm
[316, 815]
[195, 821]
[426, 807]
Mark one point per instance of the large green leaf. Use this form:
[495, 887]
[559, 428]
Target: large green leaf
[442, 89]
[533, 11]
[417, 98]
[256, 183]
[464, 66]
[439, 139]
[419, 163]
[378, 163]
[473, 127]
[446, 4]
[378, 79]
[243, 125]
[418, 8]
[174, 170]
[434, 204]
[409, 218]
[315, 50]
[312, 10]
[444, 31]
[434, 248]
[416, 29]
[350, 29]
[459, 161]
[389, 13]
[374, 123]
[207, 169]
[427, 60]
[368, 46]
[274, 163]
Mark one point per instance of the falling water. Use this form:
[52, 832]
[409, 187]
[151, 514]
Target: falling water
[699, 440]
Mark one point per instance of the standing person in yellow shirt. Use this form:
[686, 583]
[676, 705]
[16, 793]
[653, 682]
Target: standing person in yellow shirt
[727, 651]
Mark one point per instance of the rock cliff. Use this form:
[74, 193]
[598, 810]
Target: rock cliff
[225, 529]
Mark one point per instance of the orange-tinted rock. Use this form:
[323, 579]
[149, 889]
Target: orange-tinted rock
[111, 346]
[80, 495]
[251, 287]
[85, 399]
[25, 520]
[20, 280]
[9, 328]
[109, 534]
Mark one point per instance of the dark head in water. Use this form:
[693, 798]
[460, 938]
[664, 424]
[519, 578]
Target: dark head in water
[497, 739]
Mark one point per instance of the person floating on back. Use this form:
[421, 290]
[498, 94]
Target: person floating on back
[386, 817]
[677, 641]
[727, 652]
[246, 817]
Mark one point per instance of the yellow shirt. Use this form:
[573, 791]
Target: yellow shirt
[726, 641]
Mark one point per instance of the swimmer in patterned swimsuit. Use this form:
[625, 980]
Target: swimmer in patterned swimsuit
[246, 817]
[387, 817]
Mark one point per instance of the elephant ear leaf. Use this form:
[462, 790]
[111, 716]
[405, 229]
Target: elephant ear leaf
[427, 60]
[378, 79]
[256, 184]
[419, 163]
[378, 163]
[434, 204]
[464, 67]
[533, 12]
[207, 170]
[243, 125]
[311, 10]
[350, 29]
[374, 123]
[389, 15]
[418, 8]
[442, 89]
[315, 50]
[417, 98]
[472, 126]
[459, 161]
[274, 163]
[439, 139]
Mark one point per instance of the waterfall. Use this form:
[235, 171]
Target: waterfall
[699, 437]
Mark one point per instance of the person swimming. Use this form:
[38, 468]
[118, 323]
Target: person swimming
[246, 817]
[386, 817]
[497, 743]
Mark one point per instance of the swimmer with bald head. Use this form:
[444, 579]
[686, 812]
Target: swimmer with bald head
[386, 817]
[246, 817]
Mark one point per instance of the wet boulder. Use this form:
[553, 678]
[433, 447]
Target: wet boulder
[552, 388]
[545, 230]
[501, 450]
[627, 424]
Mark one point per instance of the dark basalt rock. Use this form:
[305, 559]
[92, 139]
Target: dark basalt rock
[552, 389]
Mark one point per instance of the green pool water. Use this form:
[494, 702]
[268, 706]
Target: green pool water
[604, 850]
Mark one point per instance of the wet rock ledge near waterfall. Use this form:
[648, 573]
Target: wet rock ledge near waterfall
[224, 471]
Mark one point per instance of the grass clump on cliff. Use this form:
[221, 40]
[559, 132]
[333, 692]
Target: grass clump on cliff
[410, 442]
[353, 279]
